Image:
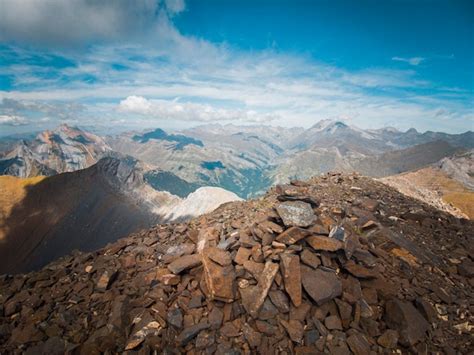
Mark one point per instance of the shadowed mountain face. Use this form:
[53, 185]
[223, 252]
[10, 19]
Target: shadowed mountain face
[87, 209]
[158, 134]
[82, 210]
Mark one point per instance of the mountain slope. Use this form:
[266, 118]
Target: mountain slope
[236, 161]
[85, 210]
[447, 184]
[63, 149]
[357, 270]
[313, 161]
[398, 161]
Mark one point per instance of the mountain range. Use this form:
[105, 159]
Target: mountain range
[88, 190]
[246, 160]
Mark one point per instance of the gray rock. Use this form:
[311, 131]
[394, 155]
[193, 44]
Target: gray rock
[296, 213]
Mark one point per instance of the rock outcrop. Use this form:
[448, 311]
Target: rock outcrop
[338, 264]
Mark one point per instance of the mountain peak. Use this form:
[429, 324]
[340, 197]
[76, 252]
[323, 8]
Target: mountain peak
[328, 124]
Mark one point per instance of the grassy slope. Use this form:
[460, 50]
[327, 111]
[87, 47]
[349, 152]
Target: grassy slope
[450, 190]
[12, 191]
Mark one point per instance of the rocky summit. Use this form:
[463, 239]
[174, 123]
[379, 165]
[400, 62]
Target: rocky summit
[339, 264]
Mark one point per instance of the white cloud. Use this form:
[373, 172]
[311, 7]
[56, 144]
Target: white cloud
[75, 21]
[412, 61]
[13, 120]
[175, 6]
[189, 111]
[217, 83]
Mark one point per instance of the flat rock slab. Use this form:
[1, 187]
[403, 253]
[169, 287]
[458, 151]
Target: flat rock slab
[404, 317]
[319, 242]
[358, 344]
[296, 213]
[254, 296]
[292, 235]
[220, 280]
[321, 285]
[106, 279]
[190, 332]
[310, 259]
[290, 266]
[360, 271]
[184, 262]
[219, 256]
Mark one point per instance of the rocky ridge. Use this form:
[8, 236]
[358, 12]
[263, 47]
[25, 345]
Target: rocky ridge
[339, 264]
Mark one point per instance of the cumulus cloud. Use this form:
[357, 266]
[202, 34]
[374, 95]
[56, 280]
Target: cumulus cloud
[215, 82]
[75, 21]
[189, 111]
[412, 61]
[14, 112]
[13, 120]
[175, 6]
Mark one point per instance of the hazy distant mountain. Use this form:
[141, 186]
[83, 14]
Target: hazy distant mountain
[330, 133]
[85, 210]
[235, 160]
[63, 149]
[243, 159]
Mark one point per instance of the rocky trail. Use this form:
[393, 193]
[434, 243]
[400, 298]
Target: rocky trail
[339, 264]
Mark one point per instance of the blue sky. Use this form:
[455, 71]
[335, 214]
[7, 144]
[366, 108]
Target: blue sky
[174, 63]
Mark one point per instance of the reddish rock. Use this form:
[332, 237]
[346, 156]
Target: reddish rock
[106, 279]
[358, 344]
[318, 229]
[254, 296]
[292, 235]
[257, 254]
[229, 330]
[426, 310]
[360, 271]
[220, 280]
[190, 333]
[270, 227]
[295, 329]
[280, 300]
[410, 324]
[217, 255]
[253, 337]
[388, 339]
[184, 262]
[310, 259]
[333, 322]
[254, 268]
[216, 315]
[318, 242]
[290, 267]
[321, 285]
[243, 254]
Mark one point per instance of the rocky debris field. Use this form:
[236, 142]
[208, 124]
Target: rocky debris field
[339, 264]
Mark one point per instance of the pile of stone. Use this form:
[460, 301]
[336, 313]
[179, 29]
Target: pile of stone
[285, 274]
